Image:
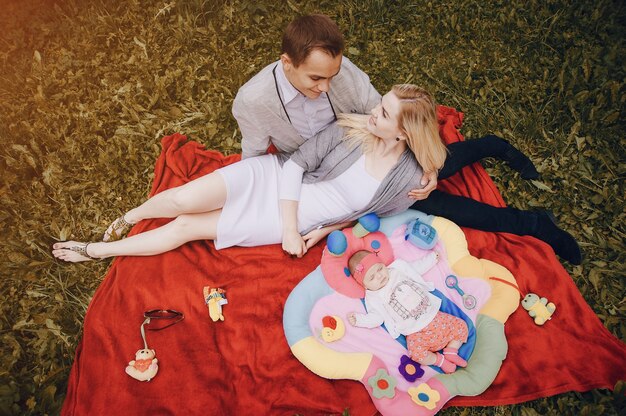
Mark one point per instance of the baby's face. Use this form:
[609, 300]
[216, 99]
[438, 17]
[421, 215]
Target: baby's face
[376, 277]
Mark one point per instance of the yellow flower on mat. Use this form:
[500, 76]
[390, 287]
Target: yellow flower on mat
[424, 396]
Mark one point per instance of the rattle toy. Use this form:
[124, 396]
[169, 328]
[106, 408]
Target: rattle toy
[538, 308]
[469, 301]
[215, 298]
[145, 365]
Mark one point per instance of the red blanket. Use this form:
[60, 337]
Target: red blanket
[244, 366]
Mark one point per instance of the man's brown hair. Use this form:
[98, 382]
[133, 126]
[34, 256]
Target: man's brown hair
[306, 33]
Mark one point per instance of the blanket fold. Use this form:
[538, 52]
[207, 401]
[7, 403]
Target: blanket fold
[244, 365]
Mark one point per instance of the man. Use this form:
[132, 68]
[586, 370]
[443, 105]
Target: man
[291, 100]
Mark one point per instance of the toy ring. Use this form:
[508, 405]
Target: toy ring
[469, 301]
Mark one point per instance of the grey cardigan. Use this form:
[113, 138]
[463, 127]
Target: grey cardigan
[262, 119]
[326, 156]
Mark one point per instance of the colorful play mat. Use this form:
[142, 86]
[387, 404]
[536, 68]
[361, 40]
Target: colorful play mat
[319, 335]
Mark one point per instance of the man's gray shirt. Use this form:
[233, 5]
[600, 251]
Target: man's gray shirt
[262, 119]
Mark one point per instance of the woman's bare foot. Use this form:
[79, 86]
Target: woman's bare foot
[72, 251]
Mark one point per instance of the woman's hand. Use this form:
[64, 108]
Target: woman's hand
[317, 235]
[429, 180]
[294, 244]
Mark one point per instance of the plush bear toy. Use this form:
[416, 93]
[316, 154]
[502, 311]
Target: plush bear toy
[144, 367]
[538, 308]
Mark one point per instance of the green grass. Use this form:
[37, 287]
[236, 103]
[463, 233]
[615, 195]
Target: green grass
[87, 88]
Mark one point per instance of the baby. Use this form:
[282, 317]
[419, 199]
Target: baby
[399, 297]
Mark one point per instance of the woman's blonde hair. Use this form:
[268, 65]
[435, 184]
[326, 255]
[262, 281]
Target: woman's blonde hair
[417, 121]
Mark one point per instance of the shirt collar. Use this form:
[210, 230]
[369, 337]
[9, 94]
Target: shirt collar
[287, 91]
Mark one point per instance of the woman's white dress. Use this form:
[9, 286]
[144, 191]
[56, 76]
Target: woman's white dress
[251, 214]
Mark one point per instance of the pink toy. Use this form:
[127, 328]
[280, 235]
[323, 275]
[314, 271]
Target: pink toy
[335, 264]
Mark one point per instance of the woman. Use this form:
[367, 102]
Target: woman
[257, 202]
[248, 204]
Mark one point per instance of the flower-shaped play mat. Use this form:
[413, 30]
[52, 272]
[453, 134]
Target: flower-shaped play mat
[318, 332]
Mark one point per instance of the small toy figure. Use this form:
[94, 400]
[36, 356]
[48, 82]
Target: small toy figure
[421, 235]
[144, 367]
[538, 308]
[215, 298]
[334, 328]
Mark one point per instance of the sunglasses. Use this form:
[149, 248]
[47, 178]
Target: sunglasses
[157, 318]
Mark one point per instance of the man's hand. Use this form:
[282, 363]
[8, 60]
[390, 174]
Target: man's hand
[429, 181]
[294, 244]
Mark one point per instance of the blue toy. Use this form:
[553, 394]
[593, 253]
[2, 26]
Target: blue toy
[469, 301]
[368, 223]
[421, 235]
[337, 243]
